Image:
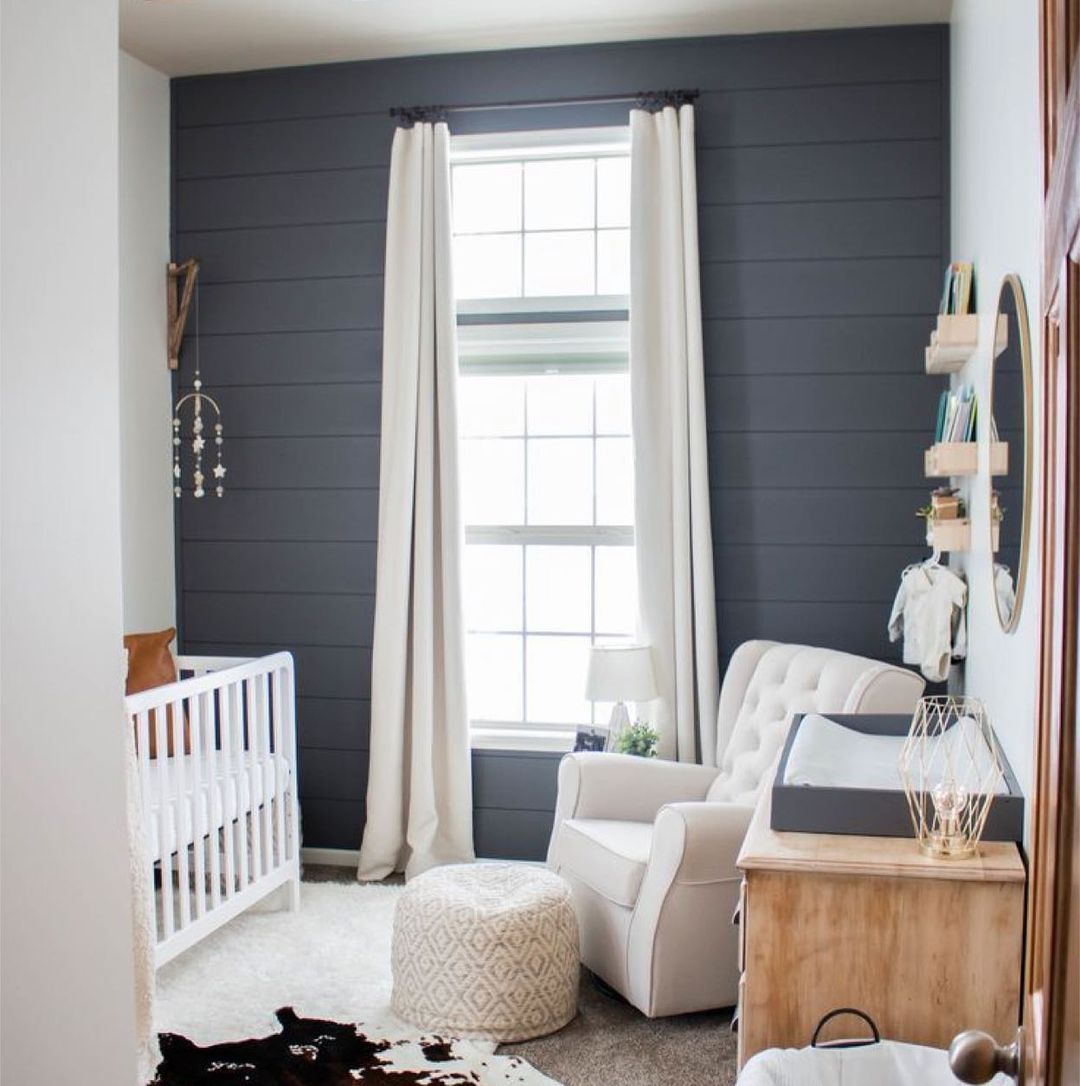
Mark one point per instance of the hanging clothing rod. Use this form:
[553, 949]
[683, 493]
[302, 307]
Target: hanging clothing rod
[653, 98]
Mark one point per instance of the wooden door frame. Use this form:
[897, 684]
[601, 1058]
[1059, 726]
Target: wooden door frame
[1052, 857]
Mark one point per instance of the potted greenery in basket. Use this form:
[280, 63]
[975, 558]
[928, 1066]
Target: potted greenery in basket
[638, 739]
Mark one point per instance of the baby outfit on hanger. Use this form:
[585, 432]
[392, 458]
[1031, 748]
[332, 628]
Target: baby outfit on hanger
[929, 615]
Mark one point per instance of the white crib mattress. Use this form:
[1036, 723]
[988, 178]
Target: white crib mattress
[245, 788]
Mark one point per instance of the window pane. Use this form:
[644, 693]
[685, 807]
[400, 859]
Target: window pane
[559, 194]
[558, 581]
[487, 266]
[493, 597]
[616, 592]
[614, 481]
[493, 480]
[613, 404]
[613, 262]
[487, 198]
[557, 264]
[556, 687]
[489, 406]
[560, 405]
[560, 481]
[494, 678]
[613, 192]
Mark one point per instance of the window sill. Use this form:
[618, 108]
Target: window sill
[537, 742]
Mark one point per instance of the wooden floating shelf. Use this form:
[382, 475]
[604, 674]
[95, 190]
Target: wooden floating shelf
[956, 458]
[949, 535]
[952, 342]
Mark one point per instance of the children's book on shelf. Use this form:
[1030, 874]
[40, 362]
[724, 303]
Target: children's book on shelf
[956, 415]
[956, 294]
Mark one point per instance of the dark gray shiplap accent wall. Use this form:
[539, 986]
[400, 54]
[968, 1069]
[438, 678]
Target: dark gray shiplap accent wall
[822, 175]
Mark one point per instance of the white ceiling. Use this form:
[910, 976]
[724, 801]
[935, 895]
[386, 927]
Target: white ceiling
[186, 37]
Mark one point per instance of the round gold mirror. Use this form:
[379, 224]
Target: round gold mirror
[1010, 452]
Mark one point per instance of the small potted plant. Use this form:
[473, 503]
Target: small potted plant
[638, 739]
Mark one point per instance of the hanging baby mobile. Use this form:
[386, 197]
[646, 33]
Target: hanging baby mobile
[205, 438]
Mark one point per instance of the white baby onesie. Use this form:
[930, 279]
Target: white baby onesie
[929, 614]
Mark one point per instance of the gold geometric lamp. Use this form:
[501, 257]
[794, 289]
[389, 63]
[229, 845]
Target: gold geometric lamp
[951, 769]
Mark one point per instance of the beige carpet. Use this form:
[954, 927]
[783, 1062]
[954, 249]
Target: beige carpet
[611, 1044]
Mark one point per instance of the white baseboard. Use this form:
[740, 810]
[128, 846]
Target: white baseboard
[331, 857]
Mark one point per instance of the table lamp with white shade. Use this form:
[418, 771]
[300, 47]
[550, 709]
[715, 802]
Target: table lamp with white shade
[620, 673]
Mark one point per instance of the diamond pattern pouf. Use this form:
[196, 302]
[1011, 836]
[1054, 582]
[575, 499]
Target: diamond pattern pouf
[486, 951]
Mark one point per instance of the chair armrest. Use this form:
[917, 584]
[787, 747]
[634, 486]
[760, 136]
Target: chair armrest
[699, 842]
[625, 787]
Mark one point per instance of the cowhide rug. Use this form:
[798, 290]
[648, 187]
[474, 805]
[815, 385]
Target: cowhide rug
[317, 1052]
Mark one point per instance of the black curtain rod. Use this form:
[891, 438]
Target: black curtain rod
[647, 98]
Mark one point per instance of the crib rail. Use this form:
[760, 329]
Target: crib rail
[217, 770]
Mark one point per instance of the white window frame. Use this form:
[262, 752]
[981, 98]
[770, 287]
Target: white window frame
[592, 337]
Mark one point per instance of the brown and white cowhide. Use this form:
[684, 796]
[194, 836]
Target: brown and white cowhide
[316, 1052]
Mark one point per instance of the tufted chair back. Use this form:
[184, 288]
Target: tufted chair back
[767, 682]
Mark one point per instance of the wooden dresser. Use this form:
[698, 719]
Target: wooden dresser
[926, 947]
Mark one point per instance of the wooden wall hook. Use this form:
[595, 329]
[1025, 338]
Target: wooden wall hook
[179, 302]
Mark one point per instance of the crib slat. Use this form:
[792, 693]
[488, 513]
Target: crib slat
[213, 796]
[276, 707]
[184, 812]
[227, 725]
[239, 825]
[200, 802]
[165, 853]
[252, 768]
[266, 770]
[142, 755]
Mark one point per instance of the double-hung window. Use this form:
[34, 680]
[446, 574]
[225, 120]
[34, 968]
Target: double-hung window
[541, 249]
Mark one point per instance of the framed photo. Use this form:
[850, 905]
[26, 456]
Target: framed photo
[591, 739]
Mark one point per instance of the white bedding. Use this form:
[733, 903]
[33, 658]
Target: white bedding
[245, 788]
[828, 755]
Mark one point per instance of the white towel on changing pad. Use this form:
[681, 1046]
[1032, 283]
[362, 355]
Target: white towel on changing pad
[829, 755]
[888, 1063]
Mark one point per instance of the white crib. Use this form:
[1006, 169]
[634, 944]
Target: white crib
[220, 813]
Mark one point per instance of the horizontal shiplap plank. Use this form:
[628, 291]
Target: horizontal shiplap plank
[841, 518]
[226, 203]
[321, 671]
[511, 834]
[872, 170]
[285, 252]
[714, 63]
[313, 410]
[827, 459]
[810, 574]
[823, 403]
[314, 143]
[515, 781]
[280, 618]
[821, 288]
[295, 305]
[332, 823]
[261, 566]
[269, 515]
[816, 345]
[333, 774]
[334, 723]
[299, 461]
[874, 228]
[859, 628]
[845, 113]
[294, 358]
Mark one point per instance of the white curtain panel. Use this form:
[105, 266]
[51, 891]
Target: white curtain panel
[419, 794]
[667, 379]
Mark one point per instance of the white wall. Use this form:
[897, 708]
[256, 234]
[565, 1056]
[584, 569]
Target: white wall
[146, 500]
[996, 212]
[65, 904]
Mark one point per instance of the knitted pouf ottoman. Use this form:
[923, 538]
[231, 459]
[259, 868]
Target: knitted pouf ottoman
[487, 951]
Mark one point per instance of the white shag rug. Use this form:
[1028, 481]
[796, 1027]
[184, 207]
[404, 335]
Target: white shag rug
[330, 960]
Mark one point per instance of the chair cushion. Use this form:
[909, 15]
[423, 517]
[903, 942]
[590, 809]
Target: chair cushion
[607, 855]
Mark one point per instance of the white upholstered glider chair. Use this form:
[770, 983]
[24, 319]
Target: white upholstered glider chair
[649, 846]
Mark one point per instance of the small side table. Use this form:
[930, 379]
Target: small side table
[926, 947]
